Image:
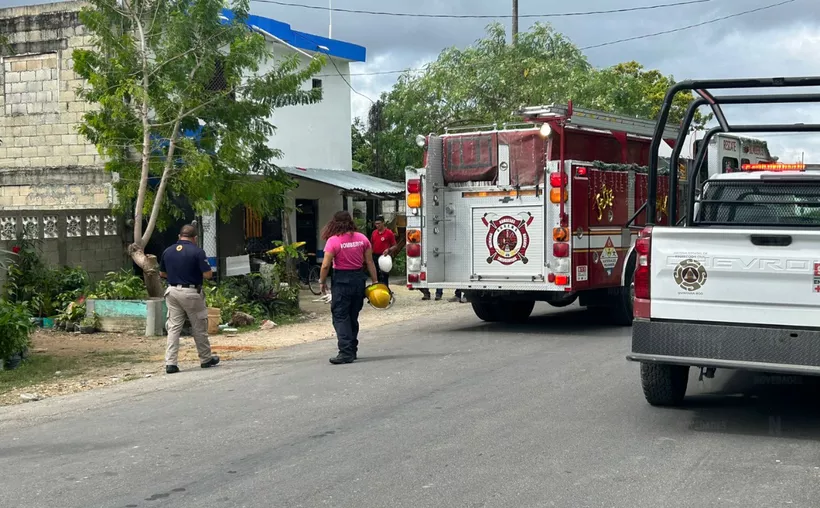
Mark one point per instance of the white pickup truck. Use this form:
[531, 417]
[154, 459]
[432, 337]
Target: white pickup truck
[738, 288]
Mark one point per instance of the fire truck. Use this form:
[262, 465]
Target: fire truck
[728, 153]
[548, 210]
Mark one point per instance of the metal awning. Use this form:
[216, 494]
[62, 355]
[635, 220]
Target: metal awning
[350, 182]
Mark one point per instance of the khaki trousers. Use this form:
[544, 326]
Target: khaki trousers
[186, 302]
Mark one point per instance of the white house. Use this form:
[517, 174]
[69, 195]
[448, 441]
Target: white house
[315, 140]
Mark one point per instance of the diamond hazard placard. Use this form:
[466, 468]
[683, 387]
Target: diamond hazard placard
[609, 256]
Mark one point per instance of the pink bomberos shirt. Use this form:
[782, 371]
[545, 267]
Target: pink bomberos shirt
[348, 250]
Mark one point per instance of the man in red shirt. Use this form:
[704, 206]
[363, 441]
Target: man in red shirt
[384, 242]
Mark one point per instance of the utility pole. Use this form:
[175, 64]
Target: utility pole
[515, 21]
[330, 19]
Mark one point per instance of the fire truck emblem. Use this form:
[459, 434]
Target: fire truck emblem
[603, 200]
[507, 238]
[690, 275]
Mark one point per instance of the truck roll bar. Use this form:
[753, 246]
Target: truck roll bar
[701, 88]
[728, 99]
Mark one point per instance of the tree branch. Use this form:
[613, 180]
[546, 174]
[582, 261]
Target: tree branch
[163, 183]
[166, 171]
[146, 136]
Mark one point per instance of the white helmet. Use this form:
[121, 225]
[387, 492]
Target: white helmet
[385, 263]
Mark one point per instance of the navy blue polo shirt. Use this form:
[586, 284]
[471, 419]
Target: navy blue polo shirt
[184, 262]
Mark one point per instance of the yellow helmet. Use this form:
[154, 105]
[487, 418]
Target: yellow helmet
[378, 296]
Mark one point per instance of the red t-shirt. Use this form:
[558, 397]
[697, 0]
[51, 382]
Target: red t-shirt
[382, 241]
[348, 250]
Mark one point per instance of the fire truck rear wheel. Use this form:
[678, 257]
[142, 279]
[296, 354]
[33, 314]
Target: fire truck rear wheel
[516, 312]
[664, 385]
[621, 310]
[487, 310]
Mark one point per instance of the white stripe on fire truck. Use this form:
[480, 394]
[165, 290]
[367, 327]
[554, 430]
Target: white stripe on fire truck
[599, 241]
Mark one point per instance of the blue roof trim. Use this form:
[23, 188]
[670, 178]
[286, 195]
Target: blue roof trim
[306, 41]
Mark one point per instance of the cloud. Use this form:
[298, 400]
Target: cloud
[779, 41]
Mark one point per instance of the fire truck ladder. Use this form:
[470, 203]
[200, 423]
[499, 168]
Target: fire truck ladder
[587, 118]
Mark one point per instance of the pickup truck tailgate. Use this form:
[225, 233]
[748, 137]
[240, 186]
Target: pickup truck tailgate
[736, 275]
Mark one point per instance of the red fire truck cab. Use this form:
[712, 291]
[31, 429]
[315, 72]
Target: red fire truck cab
[544, 211]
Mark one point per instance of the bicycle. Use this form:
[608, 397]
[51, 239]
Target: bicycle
[308, 271]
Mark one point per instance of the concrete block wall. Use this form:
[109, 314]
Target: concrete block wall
[92, 239]
[40, 112]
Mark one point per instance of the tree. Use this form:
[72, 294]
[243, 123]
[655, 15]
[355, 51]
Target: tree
[487, 82]
[182, 103]
[627, 88]
[362, 148]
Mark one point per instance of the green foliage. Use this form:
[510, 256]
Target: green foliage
[487, 82]
[70, 284]
[72, 315]
[16, 326]
[400, 264]
[29, 281]
[122, 285]
[43, 289]
[92, 321]
[252, 294]
[159, 70]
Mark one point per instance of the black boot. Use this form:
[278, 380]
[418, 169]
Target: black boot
[171, 369]
[340, 359]
[210, 363]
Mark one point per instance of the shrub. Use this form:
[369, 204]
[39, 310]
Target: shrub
[15, 322]
[29, 281]
[70, 285]
[122, 285]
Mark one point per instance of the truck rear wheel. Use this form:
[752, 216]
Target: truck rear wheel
[664, 385]
[516, 312]
[621, 311]
[486, 310]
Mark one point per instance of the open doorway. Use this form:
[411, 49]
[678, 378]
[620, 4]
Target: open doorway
[307, 226]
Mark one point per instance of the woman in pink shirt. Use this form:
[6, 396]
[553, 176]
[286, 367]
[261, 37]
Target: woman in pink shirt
[349, 251]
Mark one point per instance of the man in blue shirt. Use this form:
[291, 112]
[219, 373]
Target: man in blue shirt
[185, 266]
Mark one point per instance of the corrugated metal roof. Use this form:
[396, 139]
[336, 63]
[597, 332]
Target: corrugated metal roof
[348, 180]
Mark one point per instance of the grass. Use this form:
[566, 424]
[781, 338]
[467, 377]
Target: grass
[40, 368]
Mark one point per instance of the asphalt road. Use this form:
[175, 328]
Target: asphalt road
[445, 412]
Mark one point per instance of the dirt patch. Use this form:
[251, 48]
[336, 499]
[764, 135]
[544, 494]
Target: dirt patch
[63, 363]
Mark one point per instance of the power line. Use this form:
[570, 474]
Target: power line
[319, 48]
[688, 27]
[619, 41]
[482, 16]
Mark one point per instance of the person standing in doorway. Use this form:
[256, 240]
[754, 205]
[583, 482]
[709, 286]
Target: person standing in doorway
[348, 251]
[185, 266]
[383, 242]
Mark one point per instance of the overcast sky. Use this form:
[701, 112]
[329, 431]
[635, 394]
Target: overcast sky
[784, 40]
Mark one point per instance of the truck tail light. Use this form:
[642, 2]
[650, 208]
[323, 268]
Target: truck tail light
[643, 261]
[414, 201]
[414, 186]
[558, 179]
[413, 236]
[555, 195]
[413, 277]
[413, 250]
[561, 280]
[560, 250]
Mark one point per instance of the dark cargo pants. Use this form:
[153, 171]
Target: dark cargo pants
[346, 302]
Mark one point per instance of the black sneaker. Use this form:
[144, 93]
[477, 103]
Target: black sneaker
[340, 360]
[438, 298]
[425, 297]
[171, 369]
[210, 363]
